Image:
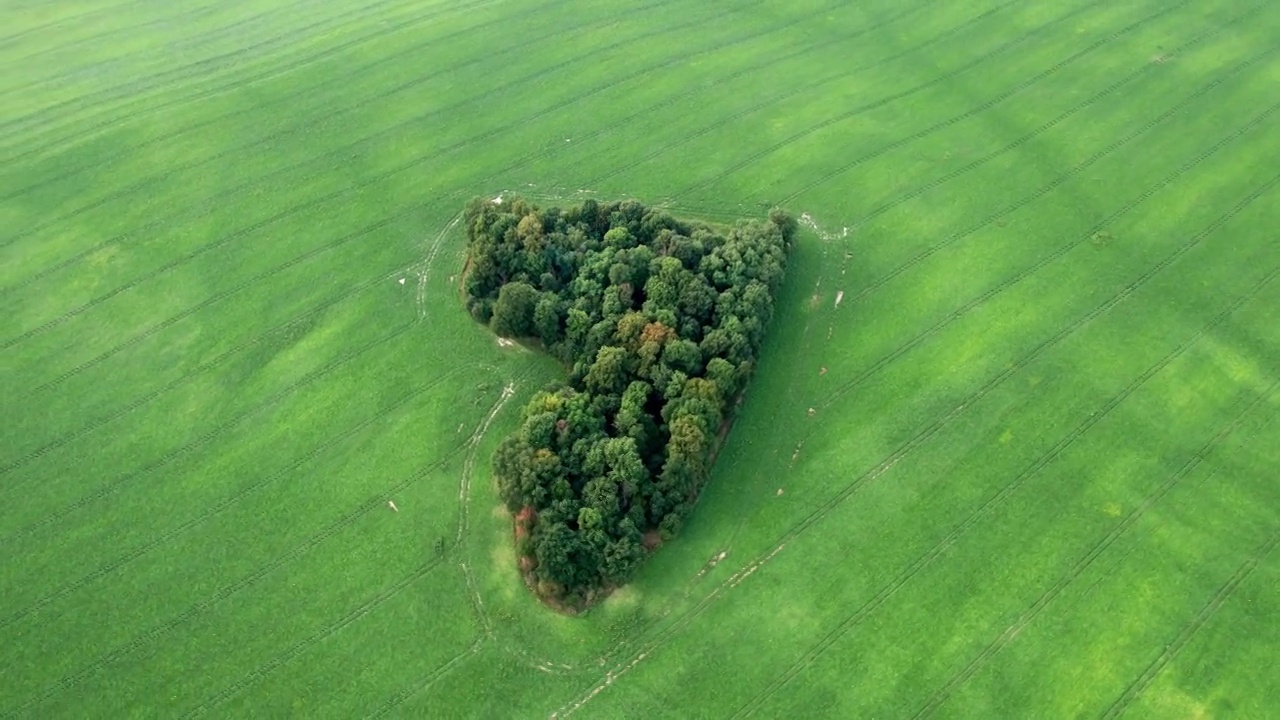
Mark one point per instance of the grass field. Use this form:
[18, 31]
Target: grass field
[1028, 464]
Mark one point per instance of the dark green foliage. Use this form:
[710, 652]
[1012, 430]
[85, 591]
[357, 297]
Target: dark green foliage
[513, 312]
[658, 322]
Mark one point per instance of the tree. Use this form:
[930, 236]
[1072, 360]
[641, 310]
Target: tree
[683, 355]
[513, 311]
[548, 318]
[658, 322]
[558, 551]
[608, 375]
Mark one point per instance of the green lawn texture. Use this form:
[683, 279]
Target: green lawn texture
[1023, 467]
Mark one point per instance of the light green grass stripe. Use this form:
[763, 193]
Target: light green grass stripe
[363, 511]
[331, 95]
[21, 131]
[91, 55]
[1021, 140]
[1188, 632]
[820, 514]
[35, 604]
[33, 27]
[1214, 670]
[199, 251]
[835, 394]
[993, 180]
[939, 550]
[970, 64]
[935, 700]
[1144, 601]
[250, 579]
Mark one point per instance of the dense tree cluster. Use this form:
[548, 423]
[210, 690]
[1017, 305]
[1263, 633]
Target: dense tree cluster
[658, 321]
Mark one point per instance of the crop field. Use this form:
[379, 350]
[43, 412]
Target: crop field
[1011, 449]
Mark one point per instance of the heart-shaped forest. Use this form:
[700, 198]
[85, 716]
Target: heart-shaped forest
[658, 321]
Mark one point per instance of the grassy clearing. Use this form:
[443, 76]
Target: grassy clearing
[1035, 480]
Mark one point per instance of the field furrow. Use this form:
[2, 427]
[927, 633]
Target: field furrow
[1008, 449]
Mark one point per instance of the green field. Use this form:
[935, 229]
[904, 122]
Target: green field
[1025, 466]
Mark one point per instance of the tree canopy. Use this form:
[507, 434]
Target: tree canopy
[658, 321]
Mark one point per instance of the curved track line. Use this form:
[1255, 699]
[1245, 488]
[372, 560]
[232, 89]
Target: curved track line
[424, 268]
[928, 432]
[222, 505]
[464, 509]
[472, 588]
[372, 504]
[942, 694]
[1172, 650]
[647, 647]
[473, 444]
[843, 389]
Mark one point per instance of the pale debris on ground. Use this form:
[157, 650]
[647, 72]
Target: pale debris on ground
[391, 504]
[715, 560]
[807, 220]
[839, 297]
